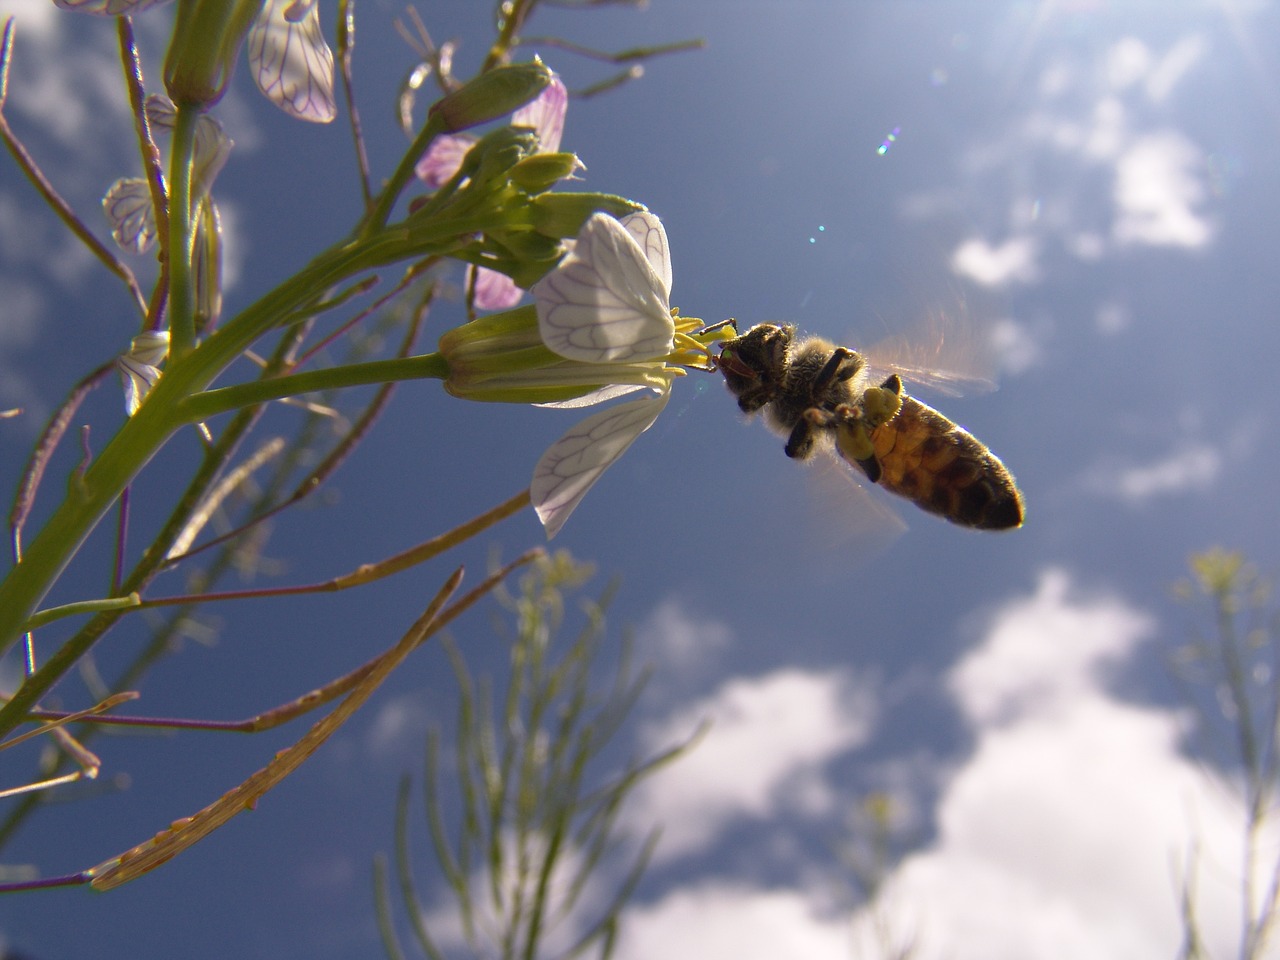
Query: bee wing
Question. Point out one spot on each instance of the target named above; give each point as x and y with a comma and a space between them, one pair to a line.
949, 355
949, 383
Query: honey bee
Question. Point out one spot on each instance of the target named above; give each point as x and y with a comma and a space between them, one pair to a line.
816, 393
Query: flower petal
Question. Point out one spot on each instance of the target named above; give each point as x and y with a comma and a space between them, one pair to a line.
609, 392
575, 462
139, 378
212, 149
545, 113
109, 8
604, 303
291, 63
495, 291
443, 158
129, 211
652, 237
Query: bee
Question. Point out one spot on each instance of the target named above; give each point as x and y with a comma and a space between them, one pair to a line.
816, 393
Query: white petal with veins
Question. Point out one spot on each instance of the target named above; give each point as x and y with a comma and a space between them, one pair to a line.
605, 302
610, 392
575, 462
652, 237
291, 63
129, 211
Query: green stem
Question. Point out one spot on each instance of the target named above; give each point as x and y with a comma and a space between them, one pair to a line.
83, 606
182, 296
386, 200
202, 406
92, 493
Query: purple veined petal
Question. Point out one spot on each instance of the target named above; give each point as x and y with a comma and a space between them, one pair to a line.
443, 158
495, 291
575, 462
291, 63
604, 303
139, 378
149, 348
610, 392
129, 211
109, 8
649, 232
545, 113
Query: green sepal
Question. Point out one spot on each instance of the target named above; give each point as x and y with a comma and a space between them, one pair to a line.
494, 94
562, 215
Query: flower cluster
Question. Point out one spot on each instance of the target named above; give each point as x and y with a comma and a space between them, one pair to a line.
544, 115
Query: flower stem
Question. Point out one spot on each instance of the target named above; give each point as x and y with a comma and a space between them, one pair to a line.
92, 493
201, 406
182, 298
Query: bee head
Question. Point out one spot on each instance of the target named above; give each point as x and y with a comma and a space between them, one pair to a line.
755, 363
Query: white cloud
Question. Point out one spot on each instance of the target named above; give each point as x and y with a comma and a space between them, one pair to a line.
1064, 833
768, 741
679, 643
71, 88
1111, 318
1042, 649
482, 932
398, 724
1016, 346
1192, 467
1130, 63
1014, 261
1127, 62
1170, 70
726, 921
23, 306
1160, 186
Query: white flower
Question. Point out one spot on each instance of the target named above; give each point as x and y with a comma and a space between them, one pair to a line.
607, 302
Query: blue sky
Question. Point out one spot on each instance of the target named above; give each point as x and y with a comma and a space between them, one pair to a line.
1081, 196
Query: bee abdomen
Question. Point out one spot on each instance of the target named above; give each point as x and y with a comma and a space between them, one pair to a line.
944, 469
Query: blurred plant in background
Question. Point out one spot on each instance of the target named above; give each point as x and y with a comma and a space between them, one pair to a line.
498, 208
1230, 674
521, 846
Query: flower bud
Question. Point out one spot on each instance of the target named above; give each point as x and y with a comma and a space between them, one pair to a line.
562, 215
491, 95
542, 171
496, 153
207, 36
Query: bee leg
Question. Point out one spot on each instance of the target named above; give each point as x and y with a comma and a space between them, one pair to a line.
853, 441
871, 467
843, 364
800, 443
712, 327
